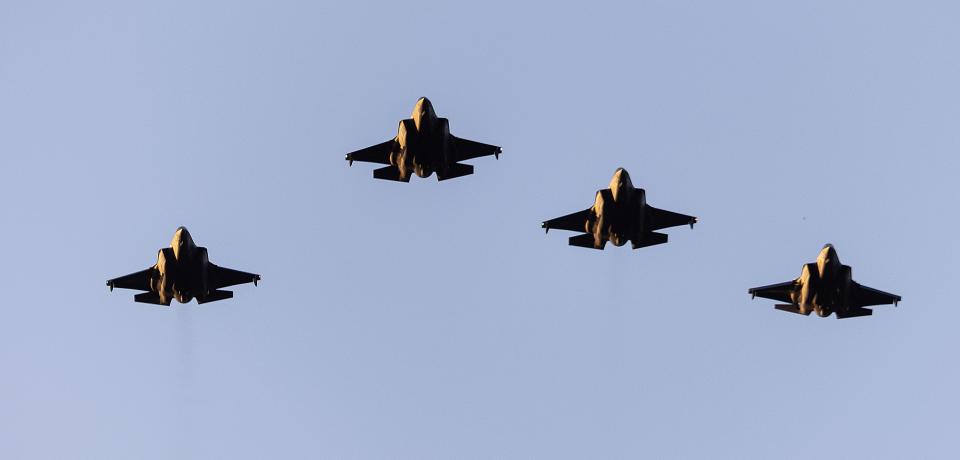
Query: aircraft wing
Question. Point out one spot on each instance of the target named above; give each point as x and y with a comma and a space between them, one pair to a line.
575, 222
780, 291
379, 153
219, 277
865, 296
660, 218
139, 280
465, 149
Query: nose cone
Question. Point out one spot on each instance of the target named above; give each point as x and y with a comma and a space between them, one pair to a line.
181, 242
424, 102
422, 111
620, 184
827, 258
828, 252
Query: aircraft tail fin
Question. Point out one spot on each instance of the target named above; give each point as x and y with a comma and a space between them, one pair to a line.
455, 170
150, 297
390, 173
649, 239
585, 241
214, 296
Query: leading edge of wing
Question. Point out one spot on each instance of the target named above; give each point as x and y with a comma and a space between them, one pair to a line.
467, 149
220, 277
575, 222
379, 153
866, 296
779, 291
138, 280
661, 218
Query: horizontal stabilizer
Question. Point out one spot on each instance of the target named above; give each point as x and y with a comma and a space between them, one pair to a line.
389, 173
150, 297
791, 308
455, 170
649, 239
854, 312
585, 241
214, 296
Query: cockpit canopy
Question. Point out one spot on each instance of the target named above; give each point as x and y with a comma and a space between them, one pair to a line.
620, 185
182, 243
422, 111
828, 260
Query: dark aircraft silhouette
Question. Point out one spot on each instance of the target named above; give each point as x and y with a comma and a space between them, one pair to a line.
619, 213
182, 272
825, 287
423, 145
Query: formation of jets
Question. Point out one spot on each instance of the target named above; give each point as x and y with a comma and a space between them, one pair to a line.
620, 213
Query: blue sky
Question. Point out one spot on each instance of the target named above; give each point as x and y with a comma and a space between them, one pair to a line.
435, 320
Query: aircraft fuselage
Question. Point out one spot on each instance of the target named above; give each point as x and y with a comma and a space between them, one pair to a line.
617, 212
181, 269
423, 142
824, 285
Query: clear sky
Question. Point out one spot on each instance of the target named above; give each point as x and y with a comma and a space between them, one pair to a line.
436, 320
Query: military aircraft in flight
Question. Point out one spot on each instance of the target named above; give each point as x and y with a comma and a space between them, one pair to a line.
825, 286
182, 272
619, 214
423, 145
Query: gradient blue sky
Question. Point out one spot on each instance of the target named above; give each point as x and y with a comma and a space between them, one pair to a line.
435, 320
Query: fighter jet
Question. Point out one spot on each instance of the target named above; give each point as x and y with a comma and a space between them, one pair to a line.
423, 145
825, 287
182, 272
619, 213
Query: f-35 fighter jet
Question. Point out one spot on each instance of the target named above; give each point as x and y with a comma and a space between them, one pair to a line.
182, 272
825, 287
619, 214
423, 145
